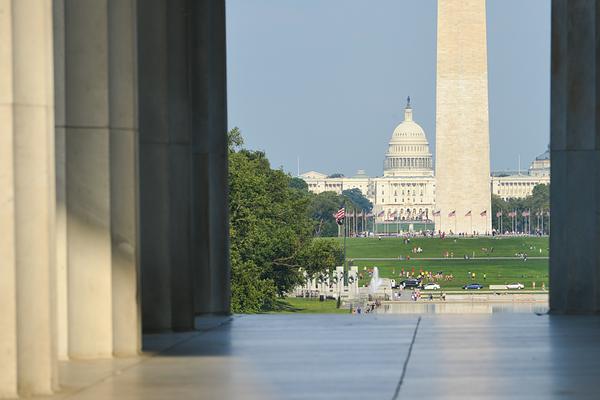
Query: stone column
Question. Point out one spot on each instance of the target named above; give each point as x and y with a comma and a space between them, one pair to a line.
27, 354
575, 155
210, 232
154, 166
8, 290
88, 179
165, 165
124, 175
62, 327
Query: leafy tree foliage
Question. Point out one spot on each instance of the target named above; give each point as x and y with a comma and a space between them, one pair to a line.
322, 209
357, 199
537, 202
271, 231
299, 184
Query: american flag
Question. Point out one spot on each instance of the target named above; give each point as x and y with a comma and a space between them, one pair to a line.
498, 214
340, 215
381, 213
393, 215
468, 214
483, 213
452, 213
437, 213
525, 213
512, 214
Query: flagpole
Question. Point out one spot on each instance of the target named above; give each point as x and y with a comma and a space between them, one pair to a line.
345, 261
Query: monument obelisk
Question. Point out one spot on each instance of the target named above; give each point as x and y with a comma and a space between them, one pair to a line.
462, 125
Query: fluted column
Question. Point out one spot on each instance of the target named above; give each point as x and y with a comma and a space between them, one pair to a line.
88, 179
575, 154
27, 353
62, 327
124, 176
209, 157
8, 289
165, 165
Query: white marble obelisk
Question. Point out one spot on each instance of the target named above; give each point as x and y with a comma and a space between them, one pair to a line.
462, 124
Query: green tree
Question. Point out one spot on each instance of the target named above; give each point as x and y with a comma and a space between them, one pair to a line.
298, 183
271, 231
357, 200
323, 207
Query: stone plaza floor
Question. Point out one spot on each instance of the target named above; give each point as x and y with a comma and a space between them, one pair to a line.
372, 356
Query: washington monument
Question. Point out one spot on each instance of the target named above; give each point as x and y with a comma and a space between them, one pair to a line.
462, 124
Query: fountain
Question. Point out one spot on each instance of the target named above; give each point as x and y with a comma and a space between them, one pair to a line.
375, 281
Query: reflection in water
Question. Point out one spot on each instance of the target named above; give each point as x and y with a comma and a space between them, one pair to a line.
463, 308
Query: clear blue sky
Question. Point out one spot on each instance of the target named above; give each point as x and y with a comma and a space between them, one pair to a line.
326, 80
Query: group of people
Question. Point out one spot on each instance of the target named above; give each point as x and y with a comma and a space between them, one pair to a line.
369, 307
416, 295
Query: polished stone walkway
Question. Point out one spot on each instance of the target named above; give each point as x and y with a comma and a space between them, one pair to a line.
497, 356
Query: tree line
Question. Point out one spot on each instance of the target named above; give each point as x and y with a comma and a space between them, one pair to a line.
529, 214
272, 231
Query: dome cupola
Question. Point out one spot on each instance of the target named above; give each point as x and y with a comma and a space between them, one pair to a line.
408, 152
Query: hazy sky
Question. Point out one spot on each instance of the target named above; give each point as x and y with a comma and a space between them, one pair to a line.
327, 80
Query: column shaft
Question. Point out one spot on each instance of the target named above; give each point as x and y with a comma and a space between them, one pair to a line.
34, 202
124, 175
88, 179
62, 327
8, 290
575, 154
210, 173
154, 166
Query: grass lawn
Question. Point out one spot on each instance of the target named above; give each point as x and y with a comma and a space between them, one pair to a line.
435, 247
497, 271
309, 306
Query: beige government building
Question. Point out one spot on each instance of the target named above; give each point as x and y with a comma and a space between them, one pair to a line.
406, 191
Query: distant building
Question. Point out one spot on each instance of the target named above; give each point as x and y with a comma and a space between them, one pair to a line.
516, 185
406, 191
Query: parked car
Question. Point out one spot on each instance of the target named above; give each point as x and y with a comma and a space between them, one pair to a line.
473, 286
431, 286
411, 283
515, 286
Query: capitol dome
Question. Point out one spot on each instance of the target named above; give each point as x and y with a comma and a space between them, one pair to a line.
408, 152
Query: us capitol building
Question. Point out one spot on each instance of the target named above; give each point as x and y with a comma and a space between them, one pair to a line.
406, 191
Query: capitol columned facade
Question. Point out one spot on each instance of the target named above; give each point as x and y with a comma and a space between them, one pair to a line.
406, 191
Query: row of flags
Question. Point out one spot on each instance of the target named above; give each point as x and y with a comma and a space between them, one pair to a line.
525, 213
453, 213
341, 214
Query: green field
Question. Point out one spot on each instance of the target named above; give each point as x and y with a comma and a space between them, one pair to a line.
435, 247
497, 271
309, 306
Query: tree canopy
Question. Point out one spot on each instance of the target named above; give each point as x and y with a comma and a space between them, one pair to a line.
537, 203
271, 231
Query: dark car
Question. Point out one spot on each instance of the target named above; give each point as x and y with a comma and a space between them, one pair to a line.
473, 286
411, 283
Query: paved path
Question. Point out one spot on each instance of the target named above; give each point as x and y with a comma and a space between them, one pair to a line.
294, 357
444, 259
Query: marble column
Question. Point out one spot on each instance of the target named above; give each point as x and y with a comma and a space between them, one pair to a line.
183, 162
167, 291
575, 154
8, 290
27, 355
62, 328
123, 138
88, 179
154, 166
210, 232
